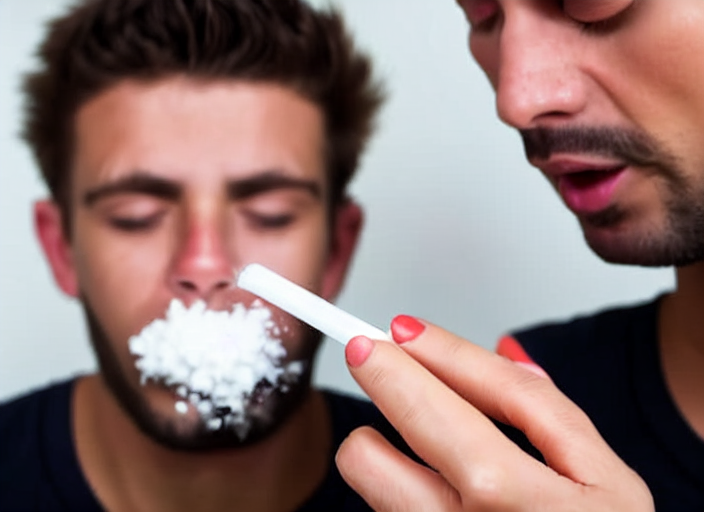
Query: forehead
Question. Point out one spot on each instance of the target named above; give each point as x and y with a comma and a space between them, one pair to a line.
197, 131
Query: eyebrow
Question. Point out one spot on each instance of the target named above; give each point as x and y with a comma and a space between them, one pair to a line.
268, 181
141, 182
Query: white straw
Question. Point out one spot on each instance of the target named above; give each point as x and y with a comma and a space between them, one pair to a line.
304, 305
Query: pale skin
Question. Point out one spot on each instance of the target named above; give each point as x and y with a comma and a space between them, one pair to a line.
133, 249
639, 67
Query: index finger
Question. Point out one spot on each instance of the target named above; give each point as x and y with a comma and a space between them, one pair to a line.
559, 429
446, 431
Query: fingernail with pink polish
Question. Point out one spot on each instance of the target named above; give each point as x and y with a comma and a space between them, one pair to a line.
405, 328
357, 350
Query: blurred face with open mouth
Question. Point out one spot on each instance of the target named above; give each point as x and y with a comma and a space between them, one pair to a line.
176, 185
607, 98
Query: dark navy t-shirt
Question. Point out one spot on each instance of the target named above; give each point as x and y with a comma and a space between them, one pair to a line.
609, 365
39, 470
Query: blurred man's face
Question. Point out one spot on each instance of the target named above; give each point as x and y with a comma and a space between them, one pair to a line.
607, 96
177, 185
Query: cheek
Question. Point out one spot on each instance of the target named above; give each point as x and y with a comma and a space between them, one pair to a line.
123, 279
294, 335
300, 253
664, 70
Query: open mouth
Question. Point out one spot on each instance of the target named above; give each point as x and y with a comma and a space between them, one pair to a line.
589, 191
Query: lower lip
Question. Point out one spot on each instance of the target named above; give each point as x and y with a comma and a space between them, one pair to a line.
590, 191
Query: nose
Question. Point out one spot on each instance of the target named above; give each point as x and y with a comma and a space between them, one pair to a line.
539, 75
201, 268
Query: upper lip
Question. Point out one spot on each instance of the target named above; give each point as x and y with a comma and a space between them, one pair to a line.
559, 166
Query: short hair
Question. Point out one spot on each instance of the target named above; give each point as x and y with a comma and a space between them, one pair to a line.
99, 43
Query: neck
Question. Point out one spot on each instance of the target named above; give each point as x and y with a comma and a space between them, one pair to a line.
682, 344
129, 471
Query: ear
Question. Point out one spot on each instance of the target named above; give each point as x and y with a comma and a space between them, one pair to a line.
345, 234
49, 229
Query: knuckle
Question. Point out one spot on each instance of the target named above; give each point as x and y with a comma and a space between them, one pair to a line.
356, 453
455, 348
632, 493
377, 378
410, 416
484, 489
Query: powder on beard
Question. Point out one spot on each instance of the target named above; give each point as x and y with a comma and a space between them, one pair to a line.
214, 360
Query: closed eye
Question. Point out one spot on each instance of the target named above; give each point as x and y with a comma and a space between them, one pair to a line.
136, 224
596, 16
482, 15
269, 221
486, 25
605, 26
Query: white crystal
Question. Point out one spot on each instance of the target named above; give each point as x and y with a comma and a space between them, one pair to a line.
214, 359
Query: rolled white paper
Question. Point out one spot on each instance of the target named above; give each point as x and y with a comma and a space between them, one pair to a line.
305, 305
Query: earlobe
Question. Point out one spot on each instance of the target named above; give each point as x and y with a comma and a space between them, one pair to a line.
49, 229
348, 224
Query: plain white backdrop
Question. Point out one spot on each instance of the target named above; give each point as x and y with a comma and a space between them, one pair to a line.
459, 229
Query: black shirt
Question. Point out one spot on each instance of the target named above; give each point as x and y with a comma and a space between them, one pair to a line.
609, 365
39, 469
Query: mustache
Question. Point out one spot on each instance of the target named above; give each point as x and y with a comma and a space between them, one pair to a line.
627, 145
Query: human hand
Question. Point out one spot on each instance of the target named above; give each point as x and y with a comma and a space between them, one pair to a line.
440, 392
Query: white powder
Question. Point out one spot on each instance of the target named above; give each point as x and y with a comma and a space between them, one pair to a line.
181, 407
214, 359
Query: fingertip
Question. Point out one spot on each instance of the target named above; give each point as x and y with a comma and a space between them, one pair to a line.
357, 350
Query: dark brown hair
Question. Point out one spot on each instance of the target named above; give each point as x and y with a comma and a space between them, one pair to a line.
99, 43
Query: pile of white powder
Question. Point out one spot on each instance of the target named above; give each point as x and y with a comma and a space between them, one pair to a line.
214, 359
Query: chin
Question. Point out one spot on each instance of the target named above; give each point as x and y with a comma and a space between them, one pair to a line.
153, 409
619, 236
647, 250
269, 410
152, 406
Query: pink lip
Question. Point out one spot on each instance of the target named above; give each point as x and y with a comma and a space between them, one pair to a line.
585, 185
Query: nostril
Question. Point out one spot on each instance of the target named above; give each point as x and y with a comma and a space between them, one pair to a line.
206, 288
187, 285
222, 285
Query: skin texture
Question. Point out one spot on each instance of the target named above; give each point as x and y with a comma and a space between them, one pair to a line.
609, 77
441, 405
176, 183
607, 98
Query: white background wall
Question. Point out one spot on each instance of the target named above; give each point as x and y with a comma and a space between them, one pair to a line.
460, 230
